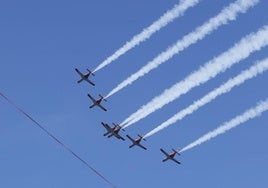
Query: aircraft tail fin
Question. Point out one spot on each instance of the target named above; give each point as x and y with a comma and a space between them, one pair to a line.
91, 72
176, 151
141, 137
103, 98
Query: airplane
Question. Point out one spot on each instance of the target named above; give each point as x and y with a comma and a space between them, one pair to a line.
108, 128
96, 102
85, 76
112, 131
171, 155
115, 132
137, 142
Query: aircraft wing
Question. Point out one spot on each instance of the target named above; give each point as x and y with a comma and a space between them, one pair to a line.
111, 134
175, 161
120, 137
107, 133
79, 72
108, 128
93, 100
116, 135
79, 81
131, 139
142, 147
164, 160
164, 152
102, 107
90, 82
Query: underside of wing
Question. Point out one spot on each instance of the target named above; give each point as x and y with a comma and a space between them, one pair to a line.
93, 100
105, 134
90, 82
92, 105
79, 81
164, 152
164, 160
175, 161
102, 107
118, 136
109, 129
79, 72
131, 139
142, 147
121, 137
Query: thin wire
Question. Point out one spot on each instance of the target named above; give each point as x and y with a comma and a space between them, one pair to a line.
57, 140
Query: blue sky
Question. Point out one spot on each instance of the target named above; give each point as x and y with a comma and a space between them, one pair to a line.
42, 42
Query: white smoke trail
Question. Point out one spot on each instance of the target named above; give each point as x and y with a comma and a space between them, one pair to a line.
249, 114
168, 17
227, 14
249, 44
224, 88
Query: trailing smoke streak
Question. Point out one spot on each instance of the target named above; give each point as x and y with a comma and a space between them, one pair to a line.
252, 72
227, 14
168, 17
241, 50
57, 140
249, 114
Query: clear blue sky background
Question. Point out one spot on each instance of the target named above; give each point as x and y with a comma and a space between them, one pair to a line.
41, 42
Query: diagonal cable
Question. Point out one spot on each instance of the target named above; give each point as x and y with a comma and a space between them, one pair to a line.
57, 140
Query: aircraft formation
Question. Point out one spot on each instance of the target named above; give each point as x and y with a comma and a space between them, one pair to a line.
241, 50
116, 128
